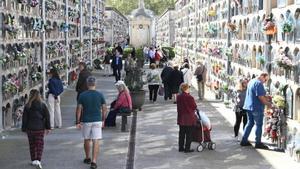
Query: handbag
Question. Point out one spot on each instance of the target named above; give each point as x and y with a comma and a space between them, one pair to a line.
161, 91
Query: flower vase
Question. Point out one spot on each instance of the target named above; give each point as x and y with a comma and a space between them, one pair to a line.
298, 157
286, 37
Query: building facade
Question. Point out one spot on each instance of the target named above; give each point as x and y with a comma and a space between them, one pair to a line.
117, 26
241, 38
38, 36
165, 28
141, 26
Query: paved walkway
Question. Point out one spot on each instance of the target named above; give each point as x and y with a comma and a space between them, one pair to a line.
64, 147
156, 142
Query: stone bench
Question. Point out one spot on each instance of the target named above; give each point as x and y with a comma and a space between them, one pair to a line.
124, 120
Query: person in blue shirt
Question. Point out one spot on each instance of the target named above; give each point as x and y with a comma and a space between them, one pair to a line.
55, 87
90, 116
254, 104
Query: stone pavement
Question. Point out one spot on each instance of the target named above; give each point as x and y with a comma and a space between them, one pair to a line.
156, 142
64, 147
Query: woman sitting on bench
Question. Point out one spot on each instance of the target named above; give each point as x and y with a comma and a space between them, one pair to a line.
122, 105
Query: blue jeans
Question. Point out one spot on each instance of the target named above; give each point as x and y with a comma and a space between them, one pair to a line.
257, 119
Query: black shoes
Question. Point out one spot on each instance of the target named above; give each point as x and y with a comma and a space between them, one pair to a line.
181, 150
246, 144
188, 151
261, 146
87, 161
93, 165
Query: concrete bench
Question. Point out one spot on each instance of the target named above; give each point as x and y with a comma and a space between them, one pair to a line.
124, 120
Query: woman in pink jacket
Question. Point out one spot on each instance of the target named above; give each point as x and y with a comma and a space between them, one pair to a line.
122, 104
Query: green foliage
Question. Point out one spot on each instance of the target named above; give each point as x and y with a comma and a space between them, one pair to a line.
126, 52
133, 79
169, 52
139, 54
126, 6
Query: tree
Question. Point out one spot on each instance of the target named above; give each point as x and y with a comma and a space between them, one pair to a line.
126, 6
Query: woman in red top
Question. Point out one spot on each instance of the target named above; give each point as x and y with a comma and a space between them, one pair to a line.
122, 104
157, 57
186, 118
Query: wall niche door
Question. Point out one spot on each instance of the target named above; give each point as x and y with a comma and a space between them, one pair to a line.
297, 25
289, 98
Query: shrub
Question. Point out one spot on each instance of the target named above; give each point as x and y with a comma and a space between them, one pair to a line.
169, 52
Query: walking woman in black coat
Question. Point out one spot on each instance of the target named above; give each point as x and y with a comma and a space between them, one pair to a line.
174, 81
36, 123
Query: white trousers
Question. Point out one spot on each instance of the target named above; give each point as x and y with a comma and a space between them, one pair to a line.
55, 112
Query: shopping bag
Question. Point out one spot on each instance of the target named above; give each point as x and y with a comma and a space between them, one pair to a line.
205, 120
161, 91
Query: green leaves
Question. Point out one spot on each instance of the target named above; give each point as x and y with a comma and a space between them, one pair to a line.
126, 6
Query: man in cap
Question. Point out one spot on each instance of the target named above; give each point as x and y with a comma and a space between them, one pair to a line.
90, 115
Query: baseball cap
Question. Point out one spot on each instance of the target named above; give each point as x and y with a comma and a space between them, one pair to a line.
91, 80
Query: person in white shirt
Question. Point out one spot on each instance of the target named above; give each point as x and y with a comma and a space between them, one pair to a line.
152, 55
187, 74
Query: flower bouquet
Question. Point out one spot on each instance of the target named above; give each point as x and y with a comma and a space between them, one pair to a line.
212, 12
211, 30
279, 101
284, 61
269, 26
232, 28
288, 27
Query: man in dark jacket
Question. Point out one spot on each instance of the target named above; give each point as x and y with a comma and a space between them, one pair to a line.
117, 64
81, 85
164, 76
174, 81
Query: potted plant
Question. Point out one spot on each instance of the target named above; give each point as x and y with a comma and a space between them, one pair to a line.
134, 80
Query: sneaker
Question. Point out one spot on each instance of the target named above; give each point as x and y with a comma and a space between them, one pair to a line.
39, 165
261, 146
93, 165
246, 144
236, 138
34, 163
87, 161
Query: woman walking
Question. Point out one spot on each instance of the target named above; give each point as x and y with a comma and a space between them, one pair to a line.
56, 87
153, 78
175, 79
187, 74
240, 113
36, 123
186, 118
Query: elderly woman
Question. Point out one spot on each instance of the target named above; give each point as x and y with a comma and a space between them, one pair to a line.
239, 100
122, 104
186, 119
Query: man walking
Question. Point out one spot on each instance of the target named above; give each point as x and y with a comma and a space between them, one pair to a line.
200, 74
91, 109
254, 104
165, 74
117, 64
83, 75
